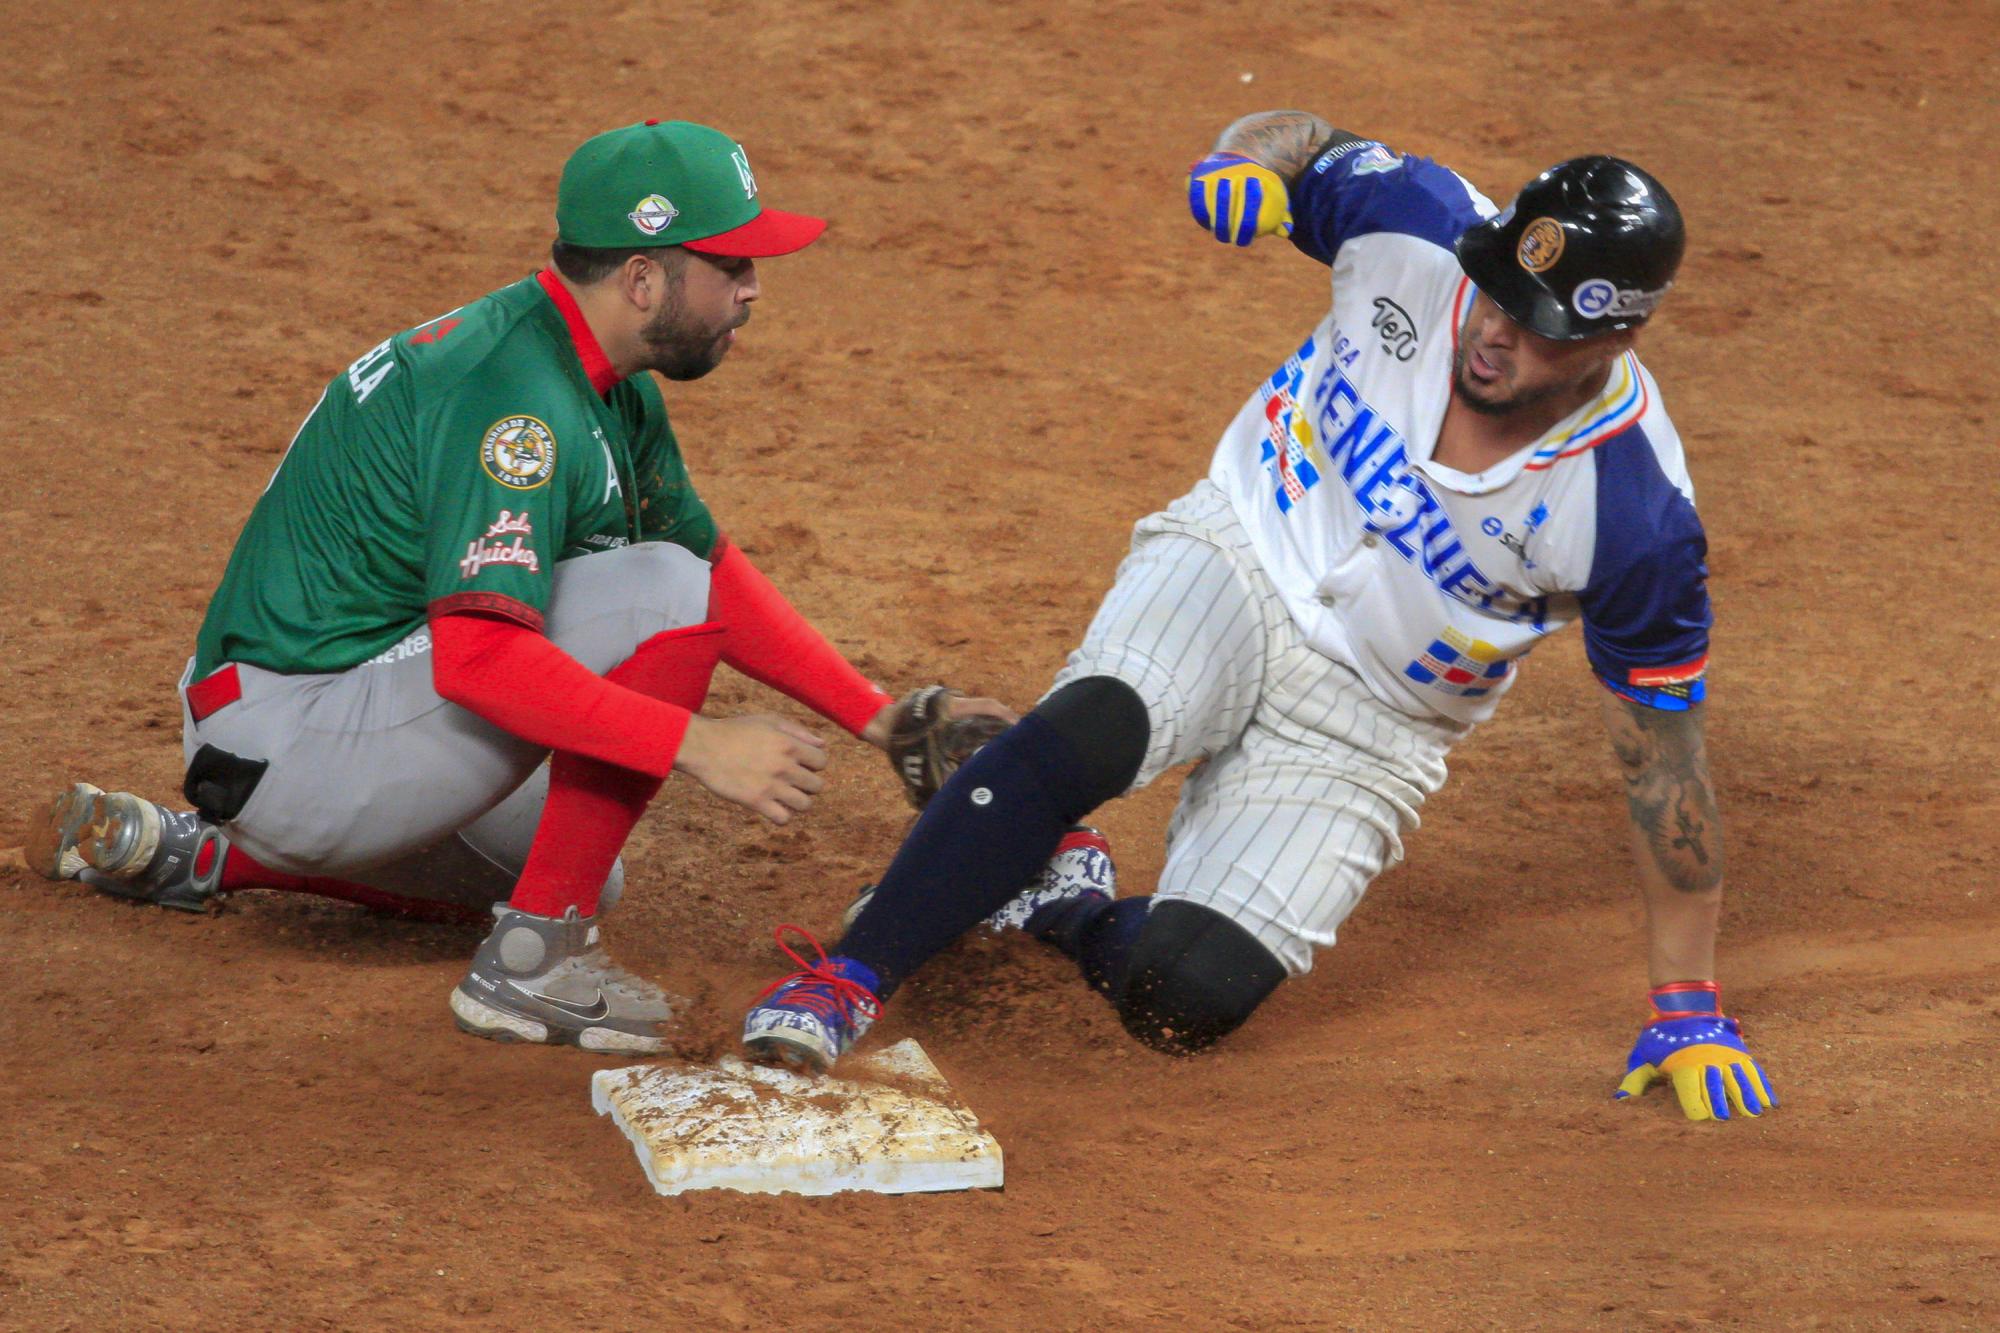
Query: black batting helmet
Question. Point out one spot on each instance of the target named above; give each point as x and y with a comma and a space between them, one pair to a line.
1588, 246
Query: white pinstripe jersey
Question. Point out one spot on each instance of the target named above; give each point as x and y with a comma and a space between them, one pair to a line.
1428, 582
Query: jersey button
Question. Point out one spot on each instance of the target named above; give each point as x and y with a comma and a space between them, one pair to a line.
1369, 541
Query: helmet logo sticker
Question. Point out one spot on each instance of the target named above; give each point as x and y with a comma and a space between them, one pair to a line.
1593, 298
654, 214
1541, 245
1597, 298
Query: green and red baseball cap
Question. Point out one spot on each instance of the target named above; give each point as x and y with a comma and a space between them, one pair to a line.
672, 182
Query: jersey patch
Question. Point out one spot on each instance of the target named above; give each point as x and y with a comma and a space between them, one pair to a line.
1461, 665
1375, 159
1669, 689
519, 453
492, 548
1288, 440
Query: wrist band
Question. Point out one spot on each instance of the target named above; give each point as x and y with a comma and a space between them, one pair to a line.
1686, 999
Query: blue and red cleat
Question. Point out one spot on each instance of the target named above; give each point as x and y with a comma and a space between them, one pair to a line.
814, 1015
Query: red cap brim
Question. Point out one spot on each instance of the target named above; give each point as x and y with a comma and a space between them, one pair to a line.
771, 232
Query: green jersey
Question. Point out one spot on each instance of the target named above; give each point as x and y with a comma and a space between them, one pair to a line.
450, 468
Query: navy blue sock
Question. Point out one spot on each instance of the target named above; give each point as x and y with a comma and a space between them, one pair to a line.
1097, 933
986, 833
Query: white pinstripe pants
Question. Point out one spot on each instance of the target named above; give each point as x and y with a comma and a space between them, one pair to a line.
1310, 780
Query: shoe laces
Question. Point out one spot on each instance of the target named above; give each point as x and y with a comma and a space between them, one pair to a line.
821, 990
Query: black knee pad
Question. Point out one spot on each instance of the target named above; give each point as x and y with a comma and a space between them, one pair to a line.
1194, 976
1105, 722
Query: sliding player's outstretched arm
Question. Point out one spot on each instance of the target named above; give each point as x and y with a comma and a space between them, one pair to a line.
1677, 847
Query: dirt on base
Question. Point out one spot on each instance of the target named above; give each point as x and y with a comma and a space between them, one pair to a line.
1010, 346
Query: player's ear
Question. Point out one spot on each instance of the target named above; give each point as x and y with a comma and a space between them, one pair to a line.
639, 282
648, 279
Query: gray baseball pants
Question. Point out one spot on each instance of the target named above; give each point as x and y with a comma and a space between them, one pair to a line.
376, 779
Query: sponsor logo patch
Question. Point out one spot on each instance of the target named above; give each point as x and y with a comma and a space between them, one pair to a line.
1493, 527
1398, 330
598, 1007
479, 554
653, 214
1541, 245
1593, 297
519, 452
415, 646
1597, 298
510, 523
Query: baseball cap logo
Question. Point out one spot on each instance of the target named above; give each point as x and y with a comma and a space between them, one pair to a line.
742, 162
654, 214
1541, 245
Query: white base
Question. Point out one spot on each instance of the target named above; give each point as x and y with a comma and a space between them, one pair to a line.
764, 1130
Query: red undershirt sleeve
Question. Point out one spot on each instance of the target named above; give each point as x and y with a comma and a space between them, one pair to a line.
770, 642
524, 684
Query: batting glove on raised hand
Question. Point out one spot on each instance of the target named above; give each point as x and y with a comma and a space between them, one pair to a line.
1237, 199
1692, 1045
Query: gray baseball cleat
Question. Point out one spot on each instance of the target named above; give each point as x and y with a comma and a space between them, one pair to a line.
548, 979
127, 846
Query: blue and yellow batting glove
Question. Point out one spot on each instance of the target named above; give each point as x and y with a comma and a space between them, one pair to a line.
1237, 199
1691, 1044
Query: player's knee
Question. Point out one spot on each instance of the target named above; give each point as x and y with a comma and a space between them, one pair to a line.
1194, 977
1105, 722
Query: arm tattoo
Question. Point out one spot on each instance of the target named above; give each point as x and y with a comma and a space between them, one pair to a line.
1285, 141
1668, 791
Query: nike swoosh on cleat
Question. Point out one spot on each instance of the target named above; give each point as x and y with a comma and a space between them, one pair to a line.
588, 1013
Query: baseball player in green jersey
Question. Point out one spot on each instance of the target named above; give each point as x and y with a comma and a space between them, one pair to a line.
481, 551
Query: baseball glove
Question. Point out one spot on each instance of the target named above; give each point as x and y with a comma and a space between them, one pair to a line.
926, 744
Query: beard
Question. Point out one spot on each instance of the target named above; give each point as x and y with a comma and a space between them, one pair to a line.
678, 348
1462, 389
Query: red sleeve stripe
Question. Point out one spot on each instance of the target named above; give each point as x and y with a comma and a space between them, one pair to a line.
487, 603
1668, 675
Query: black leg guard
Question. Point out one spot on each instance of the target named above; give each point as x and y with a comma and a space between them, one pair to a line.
1194, 976
1105, 722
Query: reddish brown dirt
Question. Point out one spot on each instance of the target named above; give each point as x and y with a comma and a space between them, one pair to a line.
1011, 345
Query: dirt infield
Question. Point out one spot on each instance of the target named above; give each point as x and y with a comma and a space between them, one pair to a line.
1010, 346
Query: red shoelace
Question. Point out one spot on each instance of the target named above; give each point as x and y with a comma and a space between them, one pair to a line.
841, 998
